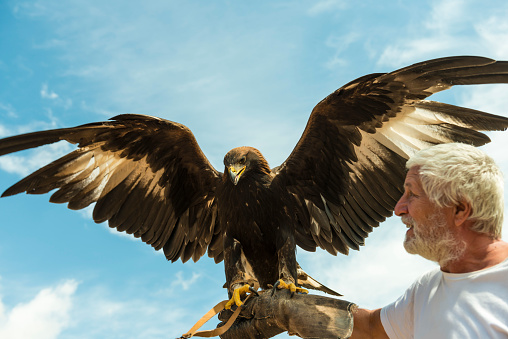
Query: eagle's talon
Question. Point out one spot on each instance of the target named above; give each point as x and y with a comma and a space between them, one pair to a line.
253, 290
302, 290
280, 284
274, 287
238, 293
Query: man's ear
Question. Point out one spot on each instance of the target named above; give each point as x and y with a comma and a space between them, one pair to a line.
463, 211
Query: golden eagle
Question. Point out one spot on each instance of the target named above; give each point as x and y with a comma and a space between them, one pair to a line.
149, 177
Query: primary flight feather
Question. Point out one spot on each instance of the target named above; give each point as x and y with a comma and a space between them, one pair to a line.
149, 177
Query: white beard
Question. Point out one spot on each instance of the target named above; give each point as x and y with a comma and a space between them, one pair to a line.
433, 240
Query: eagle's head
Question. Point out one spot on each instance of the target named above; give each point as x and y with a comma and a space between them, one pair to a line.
244, 161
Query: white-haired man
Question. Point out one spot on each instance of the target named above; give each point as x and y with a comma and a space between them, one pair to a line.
453, 206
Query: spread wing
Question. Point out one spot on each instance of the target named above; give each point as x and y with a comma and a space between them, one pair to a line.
147, 176
346, 173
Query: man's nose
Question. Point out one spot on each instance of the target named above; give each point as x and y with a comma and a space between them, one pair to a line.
401, 206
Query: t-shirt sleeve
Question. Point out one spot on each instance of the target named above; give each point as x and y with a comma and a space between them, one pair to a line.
397, 318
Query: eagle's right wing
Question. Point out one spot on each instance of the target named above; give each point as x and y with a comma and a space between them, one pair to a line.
147, 176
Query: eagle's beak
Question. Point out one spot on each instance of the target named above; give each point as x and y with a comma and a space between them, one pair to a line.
235, 172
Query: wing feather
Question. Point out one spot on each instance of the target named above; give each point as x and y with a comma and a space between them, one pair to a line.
125, 218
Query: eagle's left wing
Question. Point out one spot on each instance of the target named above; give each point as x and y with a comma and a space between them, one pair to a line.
347, 170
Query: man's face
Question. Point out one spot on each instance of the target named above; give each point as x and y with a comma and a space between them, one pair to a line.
414, 207
430, 226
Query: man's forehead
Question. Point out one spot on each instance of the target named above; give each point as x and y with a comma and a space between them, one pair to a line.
412, 177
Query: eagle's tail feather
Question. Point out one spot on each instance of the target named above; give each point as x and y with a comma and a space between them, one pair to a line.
307, 281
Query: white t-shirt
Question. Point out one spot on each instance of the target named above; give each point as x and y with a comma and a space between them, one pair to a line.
452, 306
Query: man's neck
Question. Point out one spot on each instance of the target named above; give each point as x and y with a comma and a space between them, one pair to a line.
482, 251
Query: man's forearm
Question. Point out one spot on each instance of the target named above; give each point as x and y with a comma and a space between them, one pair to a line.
367, 324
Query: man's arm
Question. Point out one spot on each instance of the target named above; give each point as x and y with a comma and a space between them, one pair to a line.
367, 324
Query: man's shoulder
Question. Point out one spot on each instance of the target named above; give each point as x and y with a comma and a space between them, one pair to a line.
429, 277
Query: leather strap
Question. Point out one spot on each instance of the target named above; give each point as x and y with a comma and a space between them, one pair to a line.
210, 314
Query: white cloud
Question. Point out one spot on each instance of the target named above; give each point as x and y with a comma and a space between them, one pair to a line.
198, 84
102, 313
43, 317
87, 212
134, 310
493, 34
3, 131
33, 125
327, 6
445, 16
340, 44
47, 94
9, 110
409, 51
52, 43
427, 37
184, 283
488, 98
14, 164
452, 27
24, 165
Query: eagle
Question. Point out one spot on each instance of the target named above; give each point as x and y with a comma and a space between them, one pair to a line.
148, 176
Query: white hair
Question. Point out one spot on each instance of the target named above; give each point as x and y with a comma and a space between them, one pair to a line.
454, 172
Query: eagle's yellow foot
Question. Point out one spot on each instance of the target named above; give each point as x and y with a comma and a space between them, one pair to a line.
238, 293
280, 284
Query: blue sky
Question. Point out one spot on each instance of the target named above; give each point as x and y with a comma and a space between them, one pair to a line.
236, 73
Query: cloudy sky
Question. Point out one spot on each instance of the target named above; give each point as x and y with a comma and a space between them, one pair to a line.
236, 73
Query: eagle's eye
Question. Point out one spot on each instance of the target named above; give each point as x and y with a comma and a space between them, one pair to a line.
242, 161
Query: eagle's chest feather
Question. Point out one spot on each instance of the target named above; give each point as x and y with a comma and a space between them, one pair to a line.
253, 214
